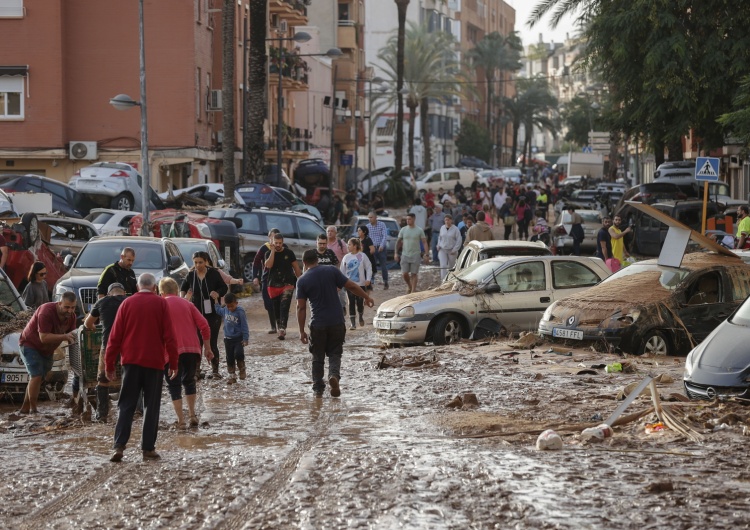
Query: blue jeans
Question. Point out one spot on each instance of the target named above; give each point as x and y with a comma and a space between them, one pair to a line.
235, 351
382, 257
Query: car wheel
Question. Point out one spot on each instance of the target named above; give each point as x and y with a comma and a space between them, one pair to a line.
247, 268
448, 329
31, 224
655, 343
122, 202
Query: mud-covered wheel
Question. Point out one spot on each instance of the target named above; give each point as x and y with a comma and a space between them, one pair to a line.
448, 329
655, 343
31, 224
247, 268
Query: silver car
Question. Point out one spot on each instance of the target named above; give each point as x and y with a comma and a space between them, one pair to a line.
67, 235
113, 184
513, 291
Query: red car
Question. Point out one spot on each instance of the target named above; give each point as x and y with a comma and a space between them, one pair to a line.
26, 244
178, 223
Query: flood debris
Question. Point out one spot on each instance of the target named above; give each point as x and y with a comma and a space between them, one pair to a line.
527, 341
465, 401
549, 440
428, 360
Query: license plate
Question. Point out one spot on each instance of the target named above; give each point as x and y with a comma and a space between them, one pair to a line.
14, 378
384, 324
563, 333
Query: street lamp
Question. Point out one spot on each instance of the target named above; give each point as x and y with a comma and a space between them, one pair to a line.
125, 102
378, 81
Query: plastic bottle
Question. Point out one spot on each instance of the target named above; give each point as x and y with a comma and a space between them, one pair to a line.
549, 440
598, 433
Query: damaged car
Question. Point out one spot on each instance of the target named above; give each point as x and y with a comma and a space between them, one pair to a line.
512, 291
14, 377
648, 308
719, 367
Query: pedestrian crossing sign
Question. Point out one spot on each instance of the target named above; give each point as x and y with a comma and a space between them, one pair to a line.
707, 169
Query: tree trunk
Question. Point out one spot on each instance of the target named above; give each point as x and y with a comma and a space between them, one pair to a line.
424, 107
514, 149
674, 148
658, 152
256, 101
614, 139
412, 121
227, 95
489, 114
399, 147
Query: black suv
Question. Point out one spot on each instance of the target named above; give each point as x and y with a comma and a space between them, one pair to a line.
649, 234
65, 199
648, 193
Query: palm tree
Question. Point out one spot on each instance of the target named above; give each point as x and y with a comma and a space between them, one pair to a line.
430, 71
401, 6
256, 86
227, 95
531, 107
494, 53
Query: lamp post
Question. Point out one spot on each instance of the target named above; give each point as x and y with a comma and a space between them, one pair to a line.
377, 80
125, 102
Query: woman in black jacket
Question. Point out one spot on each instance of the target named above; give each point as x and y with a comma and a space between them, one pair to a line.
204, 286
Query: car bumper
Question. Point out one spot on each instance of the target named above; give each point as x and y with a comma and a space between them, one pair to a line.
399, 331
95, 187
617, 337
698, 391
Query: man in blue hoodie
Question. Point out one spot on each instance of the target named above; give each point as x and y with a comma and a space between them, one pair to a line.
236, 335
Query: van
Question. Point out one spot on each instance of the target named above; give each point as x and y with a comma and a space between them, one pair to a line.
649, 233
445, 178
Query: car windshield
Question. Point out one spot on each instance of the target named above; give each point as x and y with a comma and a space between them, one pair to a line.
8, 298
99, 217
513, 251
670, 277
742, 316
479, 271
187, 248
99, 254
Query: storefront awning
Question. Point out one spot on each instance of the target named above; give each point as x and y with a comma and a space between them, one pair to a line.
14, 70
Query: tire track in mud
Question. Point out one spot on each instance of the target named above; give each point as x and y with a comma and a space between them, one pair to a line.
271, 489
63, 503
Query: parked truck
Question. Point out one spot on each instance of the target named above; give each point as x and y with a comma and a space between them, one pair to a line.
588, 164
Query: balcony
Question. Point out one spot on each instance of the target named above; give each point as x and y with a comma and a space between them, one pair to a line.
294, 71
347, 35
293, 11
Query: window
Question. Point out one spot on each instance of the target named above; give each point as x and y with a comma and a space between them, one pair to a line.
283, 223
344, 11
56, 190
569, 274
453, 176
11, 8
522, 277
250, 223
308, 229
11, 97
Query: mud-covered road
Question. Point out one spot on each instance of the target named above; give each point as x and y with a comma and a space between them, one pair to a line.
388, 453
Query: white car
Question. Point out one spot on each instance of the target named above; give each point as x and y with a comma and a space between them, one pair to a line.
210, 191
514, 292
110, 222
113, 184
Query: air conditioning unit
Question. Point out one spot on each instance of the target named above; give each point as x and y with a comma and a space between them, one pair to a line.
734, 162
283, 26
214, 100
82, 151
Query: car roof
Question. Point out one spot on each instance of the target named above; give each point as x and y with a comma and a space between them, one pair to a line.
509, 259
8, 176
130, 239
499, 243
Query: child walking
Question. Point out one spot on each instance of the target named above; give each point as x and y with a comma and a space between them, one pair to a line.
356, 266
236, 335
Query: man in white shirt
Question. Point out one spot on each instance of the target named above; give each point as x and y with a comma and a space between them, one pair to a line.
498, 202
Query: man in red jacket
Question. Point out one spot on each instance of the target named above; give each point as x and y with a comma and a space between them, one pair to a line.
143, 338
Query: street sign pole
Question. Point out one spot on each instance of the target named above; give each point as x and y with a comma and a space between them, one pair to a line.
706, 170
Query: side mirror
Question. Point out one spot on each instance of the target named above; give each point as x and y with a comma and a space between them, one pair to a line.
68, 261
493, 288
174, 262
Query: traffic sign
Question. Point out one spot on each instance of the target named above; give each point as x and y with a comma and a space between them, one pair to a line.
707, 169
346, 160
586, 149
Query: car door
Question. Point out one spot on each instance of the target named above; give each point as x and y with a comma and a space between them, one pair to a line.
523, 296
708, 300
252, 231
647, 235
309, 231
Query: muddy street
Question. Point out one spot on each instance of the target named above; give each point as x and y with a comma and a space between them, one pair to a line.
388, 453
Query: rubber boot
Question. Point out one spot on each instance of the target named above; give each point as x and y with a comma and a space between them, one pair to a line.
241, 366
215, 368
231, 379
354, 323
102, 403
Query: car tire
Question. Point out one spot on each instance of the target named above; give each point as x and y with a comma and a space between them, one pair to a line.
122, 202
247, 268
31, 224
655, 343
448, 329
